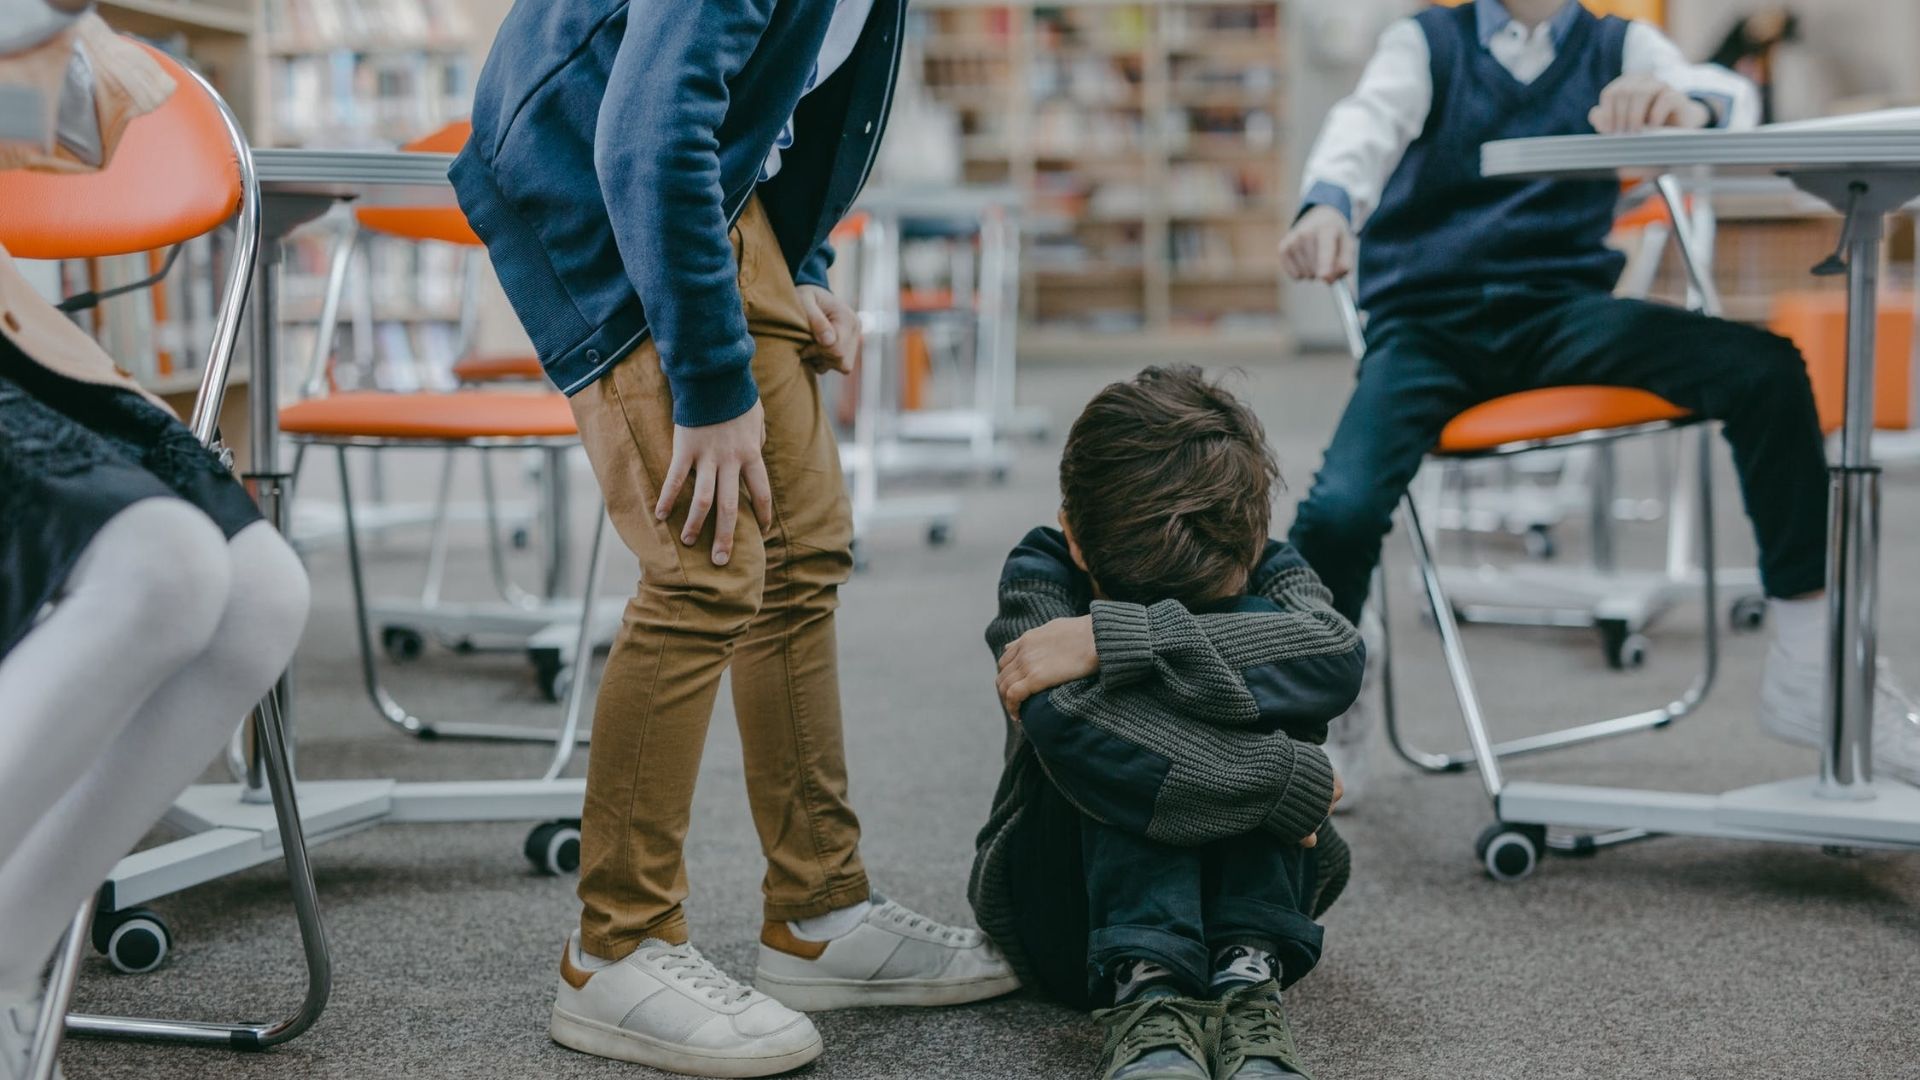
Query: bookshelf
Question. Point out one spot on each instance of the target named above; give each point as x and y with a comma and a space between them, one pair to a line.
1146, 138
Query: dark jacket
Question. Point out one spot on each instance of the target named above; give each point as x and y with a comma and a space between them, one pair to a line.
614, 144
1197, 726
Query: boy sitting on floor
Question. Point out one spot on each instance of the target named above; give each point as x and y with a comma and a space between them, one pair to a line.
1157, 842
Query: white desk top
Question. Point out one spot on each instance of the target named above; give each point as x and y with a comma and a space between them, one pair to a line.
1784, 149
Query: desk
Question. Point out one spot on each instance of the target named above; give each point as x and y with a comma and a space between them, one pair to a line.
1864, 174
230, 826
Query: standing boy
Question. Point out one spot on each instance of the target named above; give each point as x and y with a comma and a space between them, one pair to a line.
1479, 287
655, 182
1156, 843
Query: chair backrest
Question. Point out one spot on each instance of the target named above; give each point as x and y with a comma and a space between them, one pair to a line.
175, 176
180, 171
443, 223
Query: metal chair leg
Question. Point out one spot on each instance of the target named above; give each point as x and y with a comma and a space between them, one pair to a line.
1389, 701
271, 730
1486, 753
45, 1049
570, 734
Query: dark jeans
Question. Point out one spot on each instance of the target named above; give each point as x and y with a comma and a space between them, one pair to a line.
1089, 895
1424, 367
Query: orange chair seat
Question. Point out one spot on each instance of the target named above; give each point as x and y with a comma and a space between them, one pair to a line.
1550, 413
456, 416
476, 369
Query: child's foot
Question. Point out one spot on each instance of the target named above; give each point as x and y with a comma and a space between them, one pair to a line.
889, 956
1794, 685
668, 1007
1255, 1041
1156, 1036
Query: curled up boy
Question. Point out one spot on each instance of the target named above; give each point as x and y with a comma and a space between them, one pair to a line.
1158, 847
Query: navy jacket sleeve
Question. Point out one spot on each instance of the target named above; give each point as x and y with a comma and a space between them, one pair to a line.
656, 154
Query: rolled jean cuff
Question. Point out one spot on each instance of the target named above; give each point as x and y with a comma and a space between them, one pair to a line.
844, 893
1186, 958
1296, 938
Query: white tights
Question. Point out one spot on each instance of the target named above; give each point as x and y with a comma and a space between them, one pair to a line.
164, 636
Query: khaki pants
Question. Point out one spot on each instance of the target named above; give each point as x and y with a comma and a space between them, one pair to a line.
768, 614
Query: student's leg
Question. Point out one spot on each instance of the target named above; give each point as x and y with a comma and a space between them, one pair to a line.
786, 686
1753, 381
1047, 890
165, 746
1144, 905
1412, 381
1258, 894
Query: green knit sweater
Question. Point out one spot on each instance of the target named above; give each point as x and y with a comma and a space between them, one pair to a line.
1197, 726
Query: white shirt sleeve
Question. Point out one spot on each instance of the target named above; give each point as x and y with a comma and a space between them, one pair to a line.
1734, 101
1367, 132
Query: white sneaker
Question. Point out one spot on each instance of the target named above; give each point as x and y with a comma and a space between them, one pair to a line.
16, 1038
1793, 707
1350, 733
668, 1007
891, 957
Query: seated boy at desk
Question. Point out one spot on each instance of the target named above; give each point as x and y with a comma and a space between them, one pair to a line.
1477, 287
1157, 841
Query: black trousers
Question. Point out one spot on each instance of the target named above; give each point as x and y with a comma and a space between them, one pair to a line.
1089, 895
1424, 367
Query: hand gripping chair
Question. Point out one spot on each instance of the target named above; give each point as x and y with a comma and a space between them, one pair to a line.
181, 171
1552, 417
467, 419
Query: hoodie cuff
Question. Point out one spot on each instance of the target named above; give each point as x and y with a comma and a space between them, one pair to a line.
1125, 645
1308, 798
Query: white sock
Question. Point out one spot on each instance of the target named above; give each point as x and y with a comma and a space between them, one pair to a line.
1243, 965
836, 923
585, 960
1800, 627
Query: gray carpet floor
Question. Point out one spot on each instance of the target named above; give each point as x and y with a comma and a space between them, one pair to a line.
1670, 958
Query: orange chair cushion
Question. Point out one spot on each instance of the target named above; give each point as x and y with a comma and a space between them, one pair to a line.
476, 369
1550, 413
175, 176
460, 415
444, 223
1816, 322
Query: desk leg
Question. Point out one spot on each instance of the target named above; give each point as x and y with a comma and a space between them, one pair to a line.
265, 479
1853, 538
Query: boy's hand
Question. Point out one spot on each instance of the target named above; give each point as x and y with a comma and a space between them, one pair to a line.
1640, 101
717, 458
1044, 657
1339, 790
836, 331
1319, 247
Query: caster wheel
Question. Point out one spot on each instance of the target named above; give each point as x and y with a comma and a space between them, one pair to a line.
1624, 649
554, 848
1000, 474
1749, 613
403, 644
938, 534
464, 646
546, 670
134, 941
521, 539
1539, 542
1510, 852
554, 687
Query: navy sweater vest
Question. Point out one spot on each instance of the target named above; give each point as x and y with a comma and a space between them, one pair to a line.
1442, 230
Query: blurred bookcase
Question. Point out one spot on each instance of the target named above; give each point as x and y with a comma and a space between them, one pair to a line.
1146, 138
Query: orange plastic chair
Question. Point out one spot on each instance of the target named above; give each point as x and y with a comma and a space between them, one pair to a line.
465, 419
1816, 322
180, 172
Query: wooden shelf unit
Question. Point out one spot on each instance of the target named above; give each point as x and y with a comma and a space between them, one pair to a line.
1146, 137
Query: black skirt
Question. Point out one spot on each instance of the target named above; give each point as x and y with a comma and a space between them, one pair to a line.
72, 455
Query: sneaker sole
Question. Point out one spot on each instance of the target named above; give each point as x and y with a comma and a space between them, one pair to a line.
818, 995
608, 1041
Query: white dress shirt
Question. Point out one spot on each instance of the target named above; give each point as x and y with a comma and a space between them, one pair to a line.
843, 33
1366, 132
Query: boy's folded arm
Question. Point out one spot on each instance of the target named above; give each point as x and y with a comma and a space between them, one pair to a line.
1129, 761
1038, 584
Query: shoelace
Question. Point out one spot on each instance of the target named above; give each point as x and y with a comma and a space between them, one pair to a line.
1155, 1023
956, 936
1255, 1027
687, 965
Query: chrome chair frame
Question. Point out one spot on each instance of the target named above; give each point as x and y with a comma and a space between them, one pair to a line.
1445, 617
267, 725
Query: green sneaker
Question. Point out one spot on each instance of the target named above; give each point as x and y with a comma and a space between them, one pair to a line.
1255, 1041
1157, 1037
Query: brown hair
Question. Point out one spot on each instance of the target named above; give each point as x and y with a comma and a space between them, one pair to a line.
1166, 485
